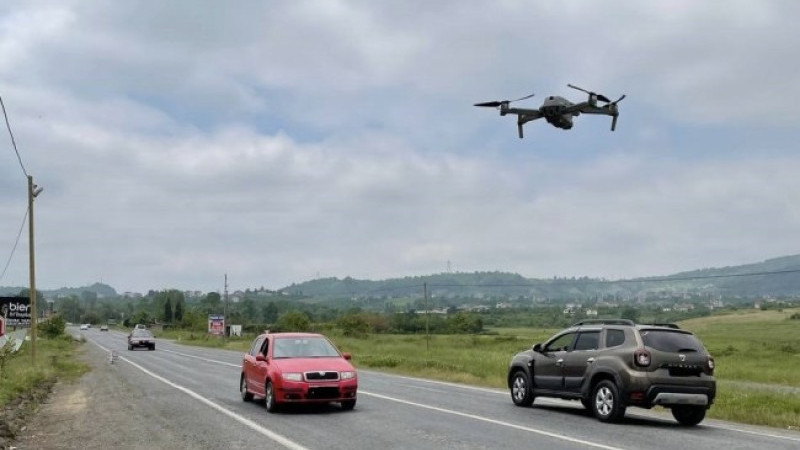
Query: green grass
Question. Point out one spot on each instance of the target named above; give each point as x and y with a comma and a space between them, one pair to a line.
54, 360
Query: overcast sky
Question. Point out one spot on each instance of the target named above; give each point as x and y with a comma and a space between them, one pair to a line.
278, 142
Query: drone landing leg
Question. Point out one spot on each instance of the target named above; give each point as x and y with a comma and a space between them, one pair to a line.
519, 128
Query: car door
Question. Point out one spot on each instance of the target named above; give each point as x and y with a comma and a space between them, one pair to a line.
548, 367
249, 364
579, 360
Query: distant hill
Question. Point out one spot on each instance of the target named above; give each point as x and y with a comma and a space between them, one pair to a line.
102, 291
773, 277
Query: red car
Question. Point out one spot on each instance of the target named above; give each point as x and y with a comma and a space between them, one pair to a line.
297, 368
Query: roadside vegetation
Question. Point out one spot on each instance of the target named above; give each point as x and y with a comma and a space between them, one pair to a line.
24, 383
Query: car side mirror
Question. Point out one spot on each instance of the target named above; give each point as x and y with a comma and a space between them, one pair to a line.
537, 348
260, 357
347, 356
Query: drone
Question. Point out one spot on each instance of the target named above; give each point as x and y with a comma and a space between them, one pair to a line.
559, 111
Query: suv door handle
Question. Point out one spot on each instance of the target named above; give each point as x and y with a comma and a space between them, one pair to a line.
560, 361
590, 360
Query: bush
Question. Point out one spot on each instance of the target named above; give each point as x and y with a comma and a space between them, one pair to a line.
53, 328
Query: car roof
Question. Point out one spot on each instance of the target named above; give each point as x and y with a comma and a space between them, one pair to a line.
292, 335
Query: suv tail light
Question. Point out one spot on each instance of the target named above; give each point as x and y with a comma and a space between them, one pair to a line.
710, 365
641, 357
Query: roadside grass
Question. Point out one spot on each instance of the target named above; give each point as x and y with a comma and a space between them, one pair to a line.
54, 360
762, 405
754, 346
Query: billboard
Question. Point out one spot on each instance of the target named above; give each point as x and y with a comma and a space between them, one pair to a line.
16, 311
216, 324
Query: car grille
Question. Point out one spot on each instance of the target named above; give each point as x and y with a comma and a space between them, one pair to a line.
323, 393
683, 370
322, 376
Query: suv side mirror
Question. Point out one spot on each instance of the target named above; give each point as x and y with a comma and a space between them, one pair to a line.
537, 348
260, 357
347, 356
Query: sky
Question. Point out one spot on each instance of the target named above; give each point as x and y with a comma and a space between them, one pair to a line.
279, 142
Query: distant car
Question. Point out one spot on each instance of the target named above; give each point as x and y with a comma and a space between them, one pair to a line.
141, 338
140, 326
297, 368
85, 326
103, 327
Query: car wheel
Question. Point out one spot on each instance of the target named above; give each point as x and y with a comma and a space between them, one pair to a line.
347, 405
521, 393
130, 347
153, 347
246, 396
269, 398
689, 415
606, 404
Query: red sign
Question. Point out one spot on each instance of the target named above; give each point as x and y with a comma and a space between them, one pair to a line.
2, 326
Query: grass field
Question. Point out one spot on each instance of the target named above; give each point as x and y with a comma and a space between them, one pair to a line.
757, 355
54, 360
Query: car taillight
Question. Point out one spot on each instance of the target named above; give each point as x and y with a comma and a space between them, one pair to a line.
641, 357
711, 364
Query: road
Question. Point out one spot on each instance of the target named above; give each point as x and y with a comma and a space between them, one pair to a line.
192, 392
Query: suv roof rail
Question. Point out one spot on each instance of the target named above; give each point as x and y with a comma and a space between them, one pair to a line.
604, 322
666, 325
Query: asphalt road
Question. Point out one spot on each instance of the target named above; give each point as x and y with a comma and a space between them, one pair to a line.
192, 393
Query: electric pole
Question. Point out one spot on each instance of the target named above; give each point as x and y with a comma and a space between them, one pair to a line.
33, 191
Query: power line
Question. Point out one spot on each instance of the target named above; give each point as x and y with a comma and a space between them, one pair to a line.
14, 249
13, 142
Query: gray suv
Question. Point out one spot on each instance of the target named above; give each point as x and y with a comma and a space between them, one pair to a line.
610, 364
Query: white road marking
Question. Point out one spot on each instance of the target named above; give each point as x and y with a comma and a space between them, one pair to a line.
286, 442
492, 421
202, 359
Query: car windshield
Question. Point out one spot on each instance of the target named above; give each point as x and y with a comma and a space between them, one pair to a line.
305, 347
141, 333
671, 341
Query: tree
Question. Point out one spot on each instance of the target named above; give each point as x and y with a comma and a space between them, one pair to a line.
168, 311
179, 310
294, 321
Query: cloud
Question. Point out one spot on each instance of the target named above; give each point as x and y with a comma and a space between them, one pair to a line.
277, 141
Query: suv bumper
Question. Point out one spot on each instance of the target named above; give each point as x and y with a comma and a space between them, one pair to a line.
647, 391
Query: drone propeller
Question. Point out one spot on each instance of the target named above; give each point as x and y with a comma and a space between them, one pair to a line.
613, 106
600, 97
497, 103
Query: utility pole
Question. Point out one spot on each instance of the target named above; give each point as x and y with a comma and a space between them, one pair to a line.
427, 316
225, 308
33, 191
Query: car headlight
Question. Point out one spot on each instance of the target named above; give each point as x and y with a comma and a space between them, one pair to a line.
293, 376
347, 375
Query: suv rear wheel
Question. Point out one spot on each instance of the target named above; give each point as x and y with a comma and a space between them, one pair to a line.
689, 415
521, 393
606, 404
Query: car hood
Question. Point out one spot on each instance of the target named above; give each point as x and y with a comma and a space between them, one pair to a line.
337, 364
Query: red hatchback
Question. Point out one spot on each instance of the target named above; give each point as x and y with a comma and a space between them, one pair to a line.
297, 368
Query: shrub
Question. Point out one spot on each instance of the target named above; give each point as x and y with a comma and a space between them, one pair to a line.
53, 328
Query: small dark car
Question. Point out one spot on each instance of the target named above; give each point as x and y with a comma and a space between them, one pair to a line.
141, 338
611, 364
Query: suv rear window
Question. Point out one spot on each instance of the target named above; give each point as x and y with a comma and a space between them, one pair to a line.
671, 341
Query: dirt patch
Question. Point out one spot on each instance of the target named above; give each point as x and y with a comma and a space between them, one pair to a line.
15, 416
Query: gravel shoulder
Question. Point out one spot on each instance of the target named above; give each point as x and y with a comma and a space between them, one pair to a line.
98, 411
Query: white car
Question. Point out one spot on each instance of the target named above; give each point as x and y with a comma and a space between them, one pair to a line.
85, 326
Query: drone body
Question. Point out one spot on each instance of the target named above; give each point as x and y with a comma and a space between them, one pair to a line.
559, 111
